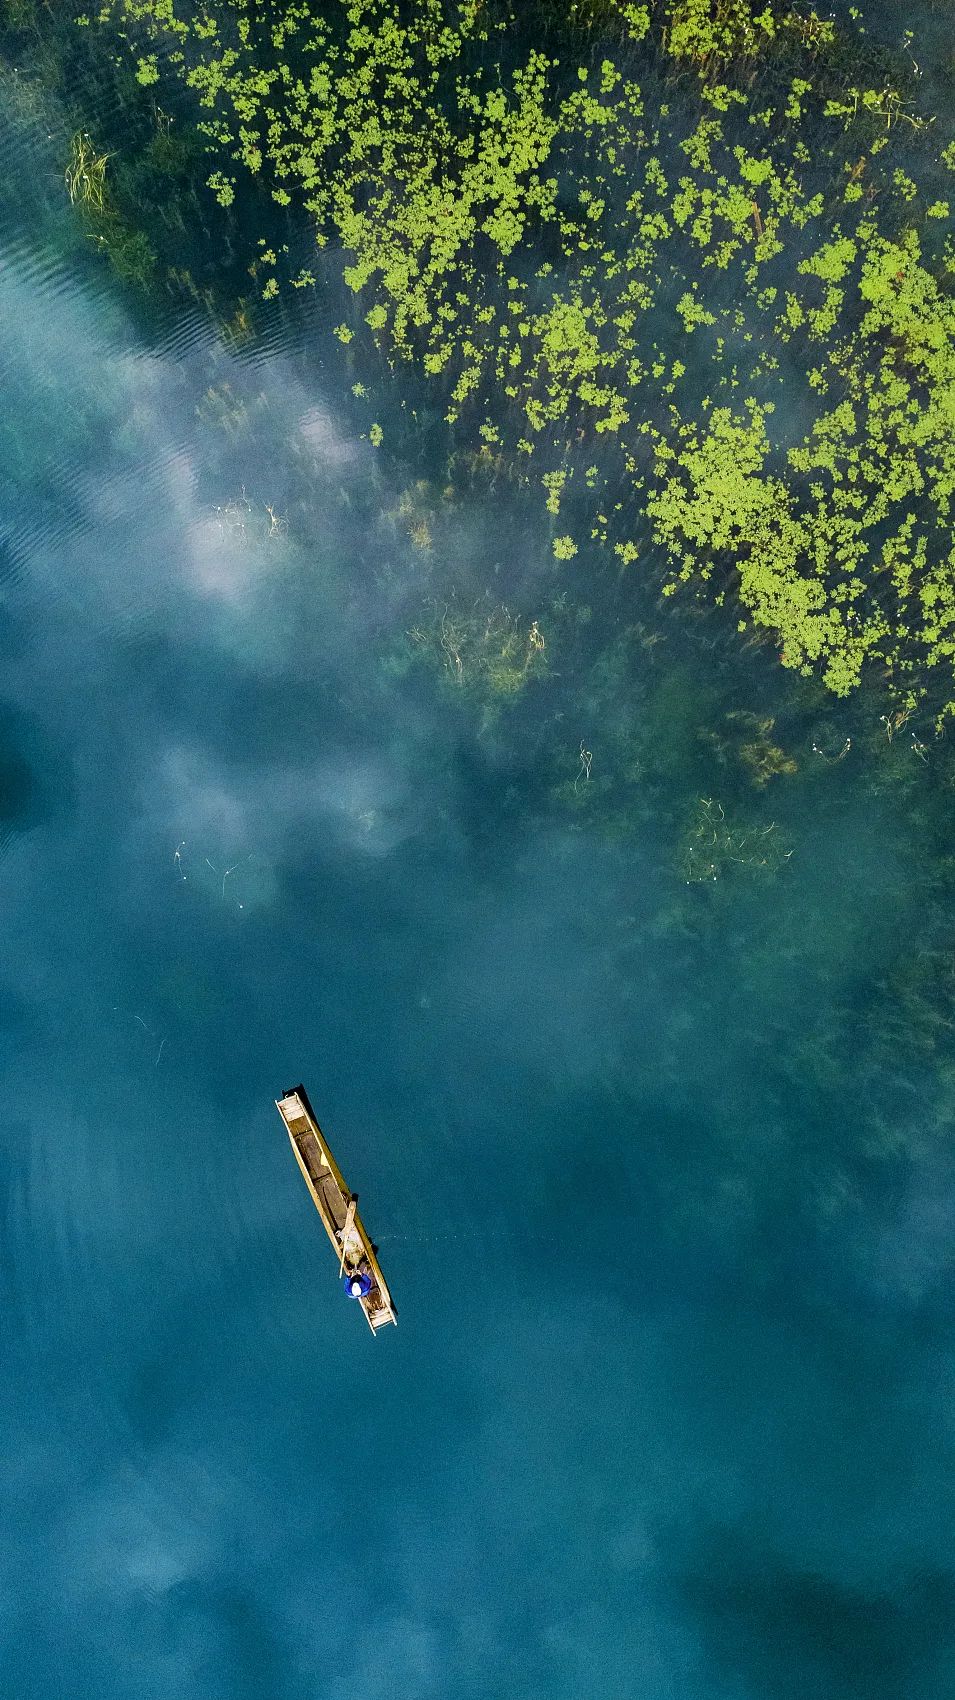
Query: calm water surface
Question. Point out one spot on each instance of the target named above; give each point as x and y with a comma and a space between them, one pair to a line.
668, 1414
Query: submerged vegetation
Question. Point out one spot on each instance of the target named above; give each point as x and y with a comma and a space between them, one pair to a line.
133, 168
85, 173
714, 846
649, 306
484, 648
687, 267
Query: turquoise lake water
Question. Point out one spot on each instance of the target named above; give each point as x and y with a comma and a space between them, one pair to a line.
660, 1166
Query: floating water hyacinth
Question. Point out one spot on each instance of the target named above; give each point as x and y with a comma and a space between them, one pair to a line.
540, 238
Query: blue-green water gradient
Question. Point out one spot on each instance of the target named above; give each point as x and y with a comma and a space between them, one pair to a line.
668, 1413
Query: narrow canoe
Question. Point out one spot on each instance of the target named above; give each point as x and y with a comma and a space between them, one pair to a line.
336, 1205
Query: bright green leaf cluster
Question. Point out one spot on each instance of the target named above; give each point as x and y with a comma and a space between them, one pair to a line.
545, 239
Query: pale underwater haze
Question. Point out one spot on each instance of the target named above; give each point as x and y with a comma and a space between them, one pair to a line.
668, 1414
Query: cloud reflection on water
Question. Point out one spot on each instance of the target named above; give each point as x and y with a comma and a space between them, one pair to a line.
543, 1484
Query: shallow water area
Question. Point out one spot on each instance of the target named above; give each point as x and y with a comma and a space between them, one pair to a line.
668, 1409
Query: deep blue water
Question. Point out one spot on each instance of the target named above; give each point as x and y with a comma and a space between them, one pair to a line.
668, 1413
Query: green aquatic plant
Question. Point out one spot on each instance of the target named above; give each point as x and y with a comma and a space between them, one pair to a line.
483, 649
715, 845
564, 548
418, 510
663, 249
743, 739
134, 168
714, 33
763, 759
223, 410
127, 247
85, 174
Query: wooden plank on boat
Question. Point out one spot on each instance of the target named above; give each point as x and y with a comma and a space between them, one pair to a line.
336, 1205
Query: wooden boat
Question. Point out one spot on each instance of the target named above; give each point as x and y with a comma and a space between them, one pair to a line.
337, 1207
